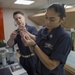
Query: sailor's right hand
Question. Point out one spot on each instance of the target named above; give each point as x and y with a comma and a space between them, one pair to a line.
13, 35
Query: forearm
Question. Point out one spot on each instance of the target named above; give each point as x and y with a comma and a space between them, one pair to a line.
49, 63
32, 36
10, 42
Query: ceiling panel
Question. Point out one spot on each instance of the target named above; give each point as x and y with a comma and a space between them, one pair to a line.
42, 4
39, 4
69, 22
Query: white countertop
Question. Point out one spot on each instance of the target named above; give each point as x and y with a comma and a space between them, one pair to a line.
71, 59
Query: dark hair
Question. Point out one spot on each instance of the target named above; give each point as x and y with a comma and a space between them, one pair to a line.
59, 8
17, 12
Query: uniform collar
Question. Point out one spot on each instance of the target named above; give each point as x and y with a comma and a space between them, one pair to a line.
46, 35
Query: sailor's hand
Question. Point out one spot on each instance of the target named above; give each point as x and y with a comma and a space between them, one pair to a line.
13, 35
27, 40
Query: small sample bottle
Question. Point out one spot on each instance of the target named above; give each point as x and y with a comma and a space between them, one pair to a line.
4, 59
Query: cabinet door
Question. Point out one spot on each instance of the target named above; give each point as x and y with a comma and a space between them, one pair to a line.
1, 25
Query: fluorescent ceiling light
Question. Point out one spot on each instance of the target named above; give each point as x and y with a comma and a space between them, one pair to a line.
39, 14
24, 2
68, 6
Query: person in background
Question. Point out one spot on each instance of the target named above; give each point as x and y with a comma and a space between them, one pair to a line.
53, 43
27, 58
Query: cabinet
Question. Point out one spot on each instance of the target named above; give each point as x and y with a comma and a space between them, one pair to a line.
1, 25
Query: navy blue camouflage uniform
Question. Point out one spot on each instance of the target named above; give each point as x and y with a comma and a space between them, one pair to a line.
57, 44
27, 63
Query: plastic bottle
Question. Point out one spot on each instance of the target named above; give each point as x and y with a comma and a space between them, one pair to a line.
4, 59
